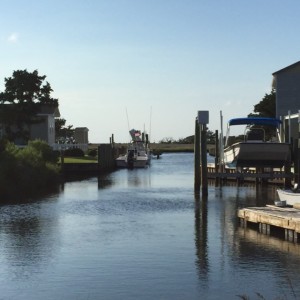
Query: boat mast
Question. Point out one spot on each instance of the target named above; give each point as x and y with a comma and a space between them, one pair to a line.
128, 122
149, 137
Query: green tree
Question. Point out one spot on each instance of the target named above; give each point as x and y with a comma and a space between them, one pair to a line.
266, 107
63, 133
210, 138
21, 101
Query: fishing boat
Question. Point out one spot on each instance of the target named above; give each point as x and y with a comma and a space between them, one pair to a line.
138, 153
289, 196
253, 150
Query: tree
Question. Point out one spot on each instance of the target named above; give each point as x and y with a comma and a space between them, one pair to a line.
21, 101
64, 134
167, 140
210, 138
266, 107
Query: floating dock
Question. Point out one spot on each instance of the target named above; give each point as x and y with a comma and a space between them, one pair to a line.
271, 219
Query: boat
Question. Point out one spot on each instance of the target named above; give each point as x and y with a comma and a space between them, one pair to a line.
138, 153
253, 150
289, 196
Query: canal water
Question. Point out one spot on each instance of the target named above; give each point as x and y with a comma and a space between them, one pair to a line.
143, 234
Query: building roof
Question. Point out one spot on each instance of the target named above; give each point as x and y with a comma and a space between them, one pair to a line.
287, 68
50, 110
81, 128
44, 109
274, 81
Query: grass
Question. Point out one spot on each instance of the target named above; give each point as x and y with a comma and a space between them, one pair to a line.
80, 160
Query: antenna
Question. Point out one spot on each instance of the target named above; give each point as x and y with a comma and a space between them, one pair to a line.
150, 123
127, 120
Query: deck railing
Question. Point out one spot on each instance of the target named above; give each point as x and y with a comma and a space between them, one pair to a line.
60, 147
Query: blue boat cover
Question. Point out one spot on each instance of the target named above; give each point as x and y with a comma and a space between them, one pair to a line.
255, 121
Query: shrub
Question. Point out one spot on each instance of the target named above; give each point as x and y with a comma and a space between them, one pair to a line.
74, 152
45, 150
93, 152
25, 173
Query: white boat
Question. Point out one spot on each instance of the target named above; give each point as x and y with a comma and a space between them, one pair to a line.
253, 150
290, 196
138, 153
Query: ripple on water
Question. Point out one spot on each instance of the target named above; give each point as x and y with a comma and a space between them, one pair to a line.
126, 200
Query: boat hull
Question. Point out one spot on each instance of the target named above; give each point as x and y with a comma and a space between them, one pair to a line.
289, 196
123, 162
247, 154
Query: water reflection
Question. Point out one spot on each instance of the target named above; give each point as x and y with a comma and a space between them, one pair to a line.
28, 238
201, 237
278, 256
133, 177
252, 238
104, 181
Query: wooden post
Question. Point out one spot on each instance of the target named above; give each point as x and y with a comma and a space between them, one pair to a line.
217, 157
197, 157
105, 157
204, 160
297, 161
287, 167
62, 160
295, 156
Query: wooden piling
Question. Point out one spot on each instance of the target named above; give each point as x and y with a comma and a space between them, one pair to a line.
197, 157
203, 147
287, 180
106, 160
297, 156
217, 156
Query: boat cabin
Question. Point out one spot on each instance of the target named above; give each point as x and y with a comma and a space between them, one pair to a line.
256, 130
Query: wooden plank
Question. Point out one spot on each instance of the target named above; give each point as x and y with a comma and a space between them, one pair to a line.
287, 218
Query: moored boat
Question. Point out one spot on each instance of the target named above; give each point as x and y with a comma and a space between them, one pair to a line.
138, 153
254, 150
290, 196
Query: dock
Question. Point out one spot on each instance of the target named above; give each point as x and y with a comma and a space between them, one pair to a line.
266, 175
272, 219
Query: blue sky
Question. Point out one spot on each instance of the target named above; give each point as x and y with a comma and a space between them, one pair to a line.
159, 60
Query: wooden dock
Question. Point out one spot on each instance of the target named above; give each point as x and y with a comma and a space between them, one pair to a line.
271, 219
267, 175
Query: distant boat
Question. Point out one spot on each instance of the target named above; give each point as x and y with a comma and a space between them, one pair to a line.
138, 153
254, 150
290, 196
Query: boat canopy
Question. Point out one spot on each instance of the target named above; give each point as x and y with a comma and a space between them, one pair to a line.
255, 121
